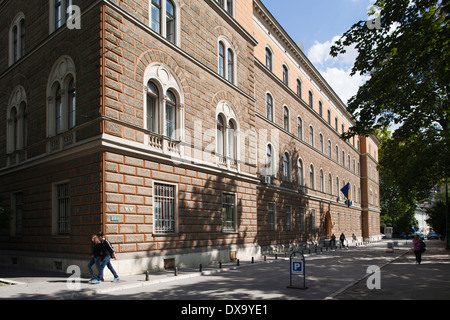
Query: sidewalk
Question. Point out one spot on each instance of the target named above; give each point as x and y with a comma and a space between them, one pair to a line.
331, 274
404, 280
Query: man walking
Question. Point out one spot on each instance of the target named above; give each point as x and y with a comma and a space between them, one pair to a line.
107, 252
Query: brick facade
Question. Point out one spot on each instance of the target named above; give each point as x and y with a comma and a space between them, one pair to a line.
115, 162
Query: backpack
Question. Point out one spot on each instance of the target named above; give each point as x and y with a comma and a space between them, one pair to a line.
422, 246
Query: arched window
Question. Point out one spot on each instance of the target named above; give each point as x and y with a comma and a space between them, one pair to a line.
17, 38
311, 99
230, 75
17, 128
227, 136
321, 142
268, 59
61, 97
71, 103
329, 117
337, 154
329, 148
231, 140
285, 75
311, 136
300, 128
286, 167
59, 13
330, 183
171, 105
221, 59
311, 177
299, 88
286, 118
152, 107
163, 108
163, 19
322, 181
59, 110
301, 178
226, 60
155, 12
170, 21
338, 188
320, 109
227, 5
269, 160
269, 102
220, 136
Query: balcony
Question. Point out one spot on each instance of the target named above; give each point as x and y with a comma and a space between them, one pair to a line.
164, 144
61, 141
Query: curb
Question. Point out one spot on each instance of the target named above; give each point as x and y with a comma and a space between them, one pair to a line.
142, 283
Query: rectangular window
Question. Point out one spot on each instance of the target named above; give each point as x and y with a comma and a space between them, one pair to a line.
63, 208
17, 206
302, 219
288, 218
164, 208
313, 220
271, 217
229, 212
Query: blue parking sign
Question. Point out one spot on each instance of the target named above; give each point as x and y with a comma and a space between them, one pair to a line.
297, 266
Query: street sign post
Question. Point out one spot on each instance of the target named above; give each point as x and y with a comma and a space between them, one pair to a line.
297, 267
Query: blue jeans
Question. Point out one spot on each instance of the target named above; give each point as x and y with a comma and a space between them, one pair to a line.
91, 263
103, 263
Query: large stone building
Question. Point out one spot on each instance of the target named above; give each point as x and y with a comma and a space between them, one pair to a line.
187, 131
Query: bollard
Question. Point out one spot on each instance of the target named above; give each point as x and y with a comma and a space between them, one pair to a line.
237, 262
176, 272
265, 258
147, 276
220, 265
201, 268
253, 260
276, 256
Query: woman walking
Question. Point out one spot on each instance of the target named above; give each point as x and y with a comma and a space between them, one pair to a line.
418, 247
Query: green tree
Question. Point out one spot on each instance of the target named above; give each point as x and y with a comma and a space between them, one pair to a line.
408, 64
437, 214
397, 206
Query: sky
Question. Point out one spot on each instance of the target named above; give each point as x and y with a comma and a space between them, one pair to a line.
318, 24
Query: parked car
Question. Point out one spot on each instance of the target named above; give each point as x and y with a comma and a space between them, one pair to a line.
432, 235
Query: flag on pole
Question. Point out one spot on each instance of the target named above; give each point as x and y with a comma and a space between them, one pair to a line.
346, 190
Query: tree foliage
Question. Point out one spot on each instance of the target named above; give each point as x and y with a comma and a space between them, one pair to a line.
407, 62
437, 217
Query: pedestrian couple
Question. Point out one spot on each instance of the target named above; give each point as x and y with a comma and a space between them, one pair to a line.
102, 252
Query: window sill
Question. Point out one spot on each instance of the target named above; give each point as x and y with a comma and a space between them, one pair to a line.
154, 235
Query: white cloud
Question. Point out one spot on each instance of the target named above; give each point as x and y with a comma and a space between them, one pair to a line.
336, 71
342, 83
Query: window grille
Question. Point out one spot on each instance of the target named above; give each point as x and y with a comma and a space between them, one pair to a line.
228, 212
164, 208
63, 207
